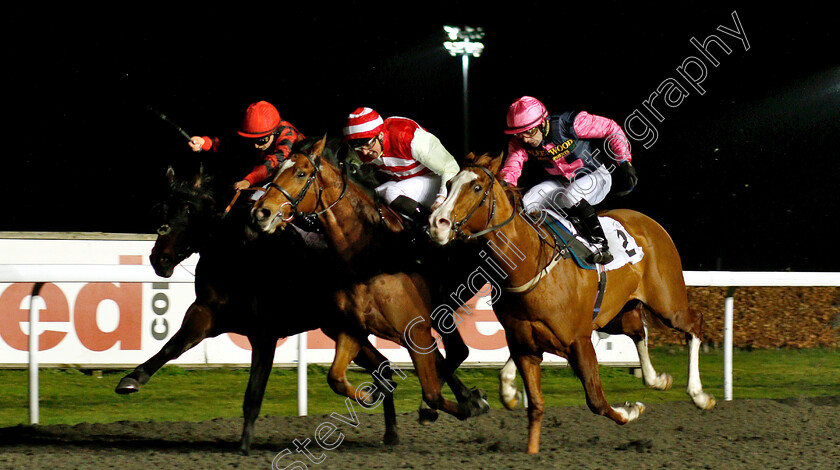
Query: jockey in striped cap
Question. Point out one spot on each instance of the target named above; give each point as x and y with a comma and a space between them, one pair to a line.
415, 162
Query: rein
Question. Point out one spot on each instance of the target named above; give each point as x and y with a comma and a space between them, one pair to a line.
542, 273
236, 196
457, 225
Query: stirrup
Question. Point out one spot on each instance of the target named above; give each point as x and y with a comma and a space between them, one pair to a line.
602, 254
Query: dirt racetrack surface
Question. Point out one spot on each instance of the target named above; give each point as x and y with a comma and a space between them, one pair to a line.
753, 434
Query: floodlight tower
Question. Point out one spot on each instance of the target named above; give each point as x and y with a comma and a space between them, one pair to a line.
465, 42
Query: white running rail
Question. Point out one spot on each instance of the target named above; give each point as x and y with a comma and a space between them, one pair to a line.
42, 273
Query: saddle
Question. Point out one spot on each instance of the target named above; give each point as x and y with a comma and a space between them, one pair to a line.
573, 246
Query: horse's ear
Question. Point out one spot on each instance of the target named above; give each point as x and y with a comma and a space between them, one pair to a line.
199, 179
470, 158
496, 163
170, 174
318, 148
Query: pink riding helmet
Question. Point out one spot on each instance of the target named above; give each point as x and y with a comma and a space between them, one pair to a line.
525, 113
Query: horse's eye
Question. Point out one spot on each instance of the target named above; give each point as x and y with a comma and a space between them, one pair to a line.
300, 174
477, 188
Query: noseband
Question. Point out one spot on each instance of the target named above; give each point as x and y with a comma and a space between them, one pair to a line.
294, 202
457, 225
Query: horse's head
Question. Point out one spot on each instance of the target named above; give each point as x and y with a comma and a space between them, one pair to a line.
183, 219
473, 203
295, 190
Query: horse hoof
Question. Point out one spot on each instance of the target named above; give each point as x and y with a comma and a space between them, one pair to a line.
630, 411
127, 385
483, 407
391, 439
514, 402
704, 401
427, 416
662, 382
478, 394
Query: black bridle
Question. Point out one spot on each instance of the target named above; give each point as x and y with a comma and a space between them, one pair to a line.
295, 201
487, 191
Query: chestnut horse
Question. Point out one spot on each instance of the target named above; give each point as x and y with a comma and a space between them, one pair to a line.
231, 299
555, 313
387, 294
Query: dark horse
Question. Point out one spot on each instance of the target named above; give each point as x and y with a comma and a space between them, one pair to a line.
554, 313
388, 294
232, 299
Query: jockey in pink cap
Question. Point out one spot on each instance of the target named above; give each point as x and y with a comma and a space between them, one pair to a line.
413, 160
579, 150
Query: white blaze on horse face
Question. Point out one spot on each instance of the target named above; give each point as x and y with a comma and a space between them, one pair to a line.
442, 232
288, 163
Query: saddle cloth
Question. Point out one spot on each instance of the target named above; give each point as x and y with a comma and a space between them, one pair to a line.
622, 245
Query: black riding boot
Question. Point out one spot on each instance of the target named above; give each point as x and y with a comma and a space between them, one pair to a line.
590, 228
411, 209
417, 221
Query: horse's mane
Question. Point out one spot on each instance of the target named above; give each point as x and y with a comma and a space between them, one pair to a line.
338, 154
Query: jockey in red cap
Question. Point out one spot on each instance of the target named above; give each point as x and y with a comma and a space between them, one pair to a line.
415, 162
566, 146
271, 135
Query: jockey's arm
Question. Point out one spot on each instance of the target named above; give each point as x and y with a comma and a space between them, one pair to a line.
428, 150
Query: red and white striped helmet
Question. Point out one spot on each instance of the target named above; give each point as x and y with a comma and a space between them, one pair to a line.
363, 123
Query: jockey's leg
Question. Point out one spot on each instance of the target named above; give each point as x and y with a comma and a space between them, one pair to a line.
591, 229
412, 209
581, 194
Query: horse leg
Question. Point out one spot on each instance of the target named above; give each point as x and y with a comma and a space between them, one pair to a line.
347, 348
631, 323
424, 366
462, 393
262, 359
380, 368
456, 353
701, 399
583, 361
508, 394
197, 325
529, 368
674, 311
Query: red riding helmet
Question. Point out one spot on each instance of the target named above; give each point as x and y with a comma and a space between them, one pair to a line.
261, 119
525, 113
362, 124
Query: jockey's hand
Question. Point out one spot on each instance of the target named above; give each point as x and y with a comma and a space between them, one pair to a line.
240, 185
627, 178
195, 143
438, 202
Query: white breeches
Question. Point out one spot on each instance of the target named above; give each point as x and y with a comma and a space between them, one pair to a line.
422, 189
592, 187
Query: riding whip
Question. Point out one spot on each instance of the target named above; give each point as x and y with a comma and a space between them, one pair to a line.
168, 121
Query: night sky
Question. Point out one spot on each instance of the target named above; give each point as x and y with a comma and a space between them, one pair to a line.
743, 175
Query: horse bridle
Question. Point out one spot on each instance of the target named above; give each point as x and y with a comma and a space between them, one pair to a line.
316, 168
528, 287
457, 225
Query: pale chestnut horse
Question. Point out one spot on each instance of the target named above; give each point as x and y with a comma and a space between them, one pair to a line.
549, 307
